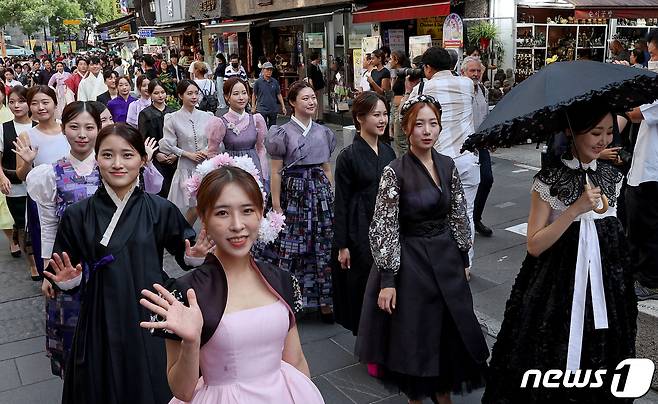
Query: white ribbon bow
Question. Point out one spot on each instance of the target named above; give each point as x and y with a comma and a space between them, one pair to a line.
588, 265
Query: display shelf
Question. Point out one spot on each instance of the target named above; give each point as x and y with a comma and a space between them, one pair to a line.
549, 39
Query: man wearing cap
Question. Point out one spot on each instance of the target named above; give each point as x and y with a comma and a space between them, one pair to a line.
267, 96
456, 95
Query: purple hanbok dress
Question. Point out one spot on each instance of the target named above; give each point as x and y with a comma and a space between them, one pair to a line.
62, 311
241, 135
304, 246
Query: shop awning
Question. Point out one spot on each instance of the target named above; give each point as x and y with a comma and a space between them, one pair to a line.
116, 23
304, 17
170, 31
232, 26
615, 8
399, 10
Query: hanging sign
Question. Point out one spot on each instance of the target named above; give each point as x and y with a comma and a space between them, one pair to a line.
418, 45
72, 22
315, 40
146, 32
396, 39
432, 26
453, 32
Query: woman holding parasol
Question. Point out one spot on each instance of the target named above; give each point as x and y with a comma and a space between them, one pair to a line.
572, 305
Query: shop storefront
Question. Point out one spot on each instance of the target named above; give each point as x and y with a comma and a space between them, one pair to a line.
578, 29
119, 33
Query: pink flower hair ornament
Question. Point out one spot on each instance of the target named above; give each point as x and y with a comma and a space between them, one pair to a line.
272, 223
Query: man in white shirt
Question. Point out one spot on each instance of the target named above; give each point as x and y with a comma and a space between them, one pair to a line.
94, 84
642, 193
198, 57
456, 95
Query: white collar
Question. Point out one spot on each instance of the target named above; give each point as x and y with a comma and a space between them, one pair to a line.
574, 164
305, 129
120, 204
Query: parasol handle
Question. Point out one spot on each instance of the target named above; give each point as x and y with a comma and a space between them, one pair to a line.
604, 198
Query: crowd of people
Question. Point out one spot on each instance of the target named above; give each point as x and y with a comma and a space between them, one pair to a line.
101, 176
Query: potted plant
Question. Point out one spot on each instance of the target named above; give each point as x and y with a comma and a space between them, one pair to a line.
483, 33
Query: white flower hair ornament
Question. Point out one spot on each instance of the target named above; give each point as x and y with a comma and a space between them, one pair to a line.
272, 223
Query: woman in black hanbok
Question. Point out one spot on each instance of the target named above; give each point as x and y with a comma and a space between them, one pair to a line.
112, 245
417, 320
359, 167
573, 306
151, 124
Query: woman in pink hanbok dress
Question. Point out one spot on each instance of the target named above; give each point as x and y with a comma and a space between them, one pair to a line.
58, 82
231, 319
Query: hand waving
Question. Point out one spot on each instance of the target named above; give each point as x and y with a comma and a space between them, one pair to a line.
25, 151
63, 268
151, 145
186, 322
202, 246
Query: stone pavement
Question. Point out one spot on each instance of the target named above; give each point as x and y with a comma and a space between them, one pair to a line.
25, 371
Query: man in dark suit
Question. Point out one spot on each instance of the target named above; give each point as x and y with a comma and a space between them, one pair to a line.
176, 72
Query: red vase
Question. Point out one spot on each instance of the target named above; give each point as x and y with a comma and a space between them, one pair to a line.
484, 43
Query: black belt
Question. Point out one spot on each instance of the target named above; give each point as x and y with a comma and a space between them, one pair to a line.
429, 228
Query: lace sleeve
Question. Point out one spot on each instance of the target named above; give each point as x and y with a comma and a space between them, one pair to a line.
460, 227
298, 302
172, 286
384, 229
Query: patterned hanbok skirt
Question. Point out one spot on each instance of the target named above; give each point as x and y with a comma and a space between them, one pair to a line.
61, 318
304, 246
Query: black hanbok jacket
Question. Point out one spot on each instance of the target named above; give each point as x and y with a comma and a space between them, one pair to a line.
151, 124
113, 360
211, 288
358, 171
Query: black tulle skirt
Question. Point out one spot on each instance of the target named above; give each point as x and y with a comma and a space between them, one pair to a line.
535, 330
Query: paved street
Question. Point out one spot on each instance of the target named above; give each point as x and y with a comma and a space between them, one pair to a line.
25, 372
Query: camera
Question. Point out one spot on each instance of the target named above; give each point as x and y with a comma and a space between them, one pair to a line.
413, 74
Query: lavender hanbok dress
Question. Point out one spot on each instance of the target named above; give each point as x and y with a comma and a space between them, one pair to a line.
58, 82
304, 246
241, 135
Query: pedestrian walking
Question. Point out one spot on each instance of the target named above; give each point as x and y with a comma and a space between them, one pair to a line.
220, 70
359, 167
10, 184
73, 82
119, 105
184, 135
235, 68
472, 68
572, 306
417, 320
570, 239
54, 187
455, 94
151, 125
301, 180
641, 212
116, 238
41, 144
267, 96
144, 101
58, 82
263, 367
110, 77
93, 84
399, 61
207, 97
316, 79
240, 132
